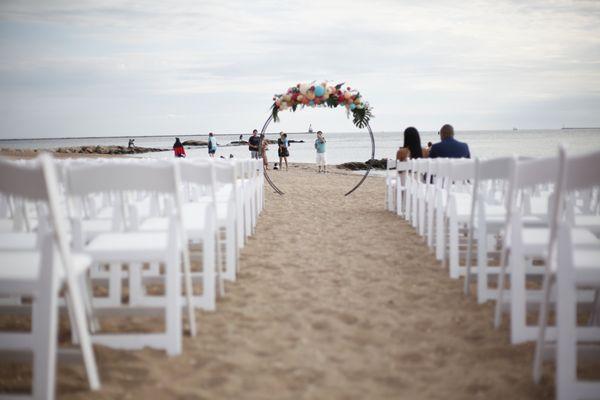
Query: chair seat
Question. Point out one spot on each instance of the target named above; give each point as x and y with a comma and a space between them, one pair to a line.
19, 270
591, 222
92, 227
499, 219
535, 240
194, 221
17, 241
587, 266
132, 246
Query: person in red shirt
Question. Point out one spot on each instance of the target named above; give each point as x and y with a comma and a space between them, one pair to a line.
178, 148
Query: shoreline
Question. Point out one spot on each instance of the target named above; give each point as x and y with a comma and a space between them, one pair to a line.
118, 151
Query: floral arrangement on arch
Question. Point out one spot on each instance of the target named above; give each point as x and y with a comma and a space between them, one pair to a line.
323, 95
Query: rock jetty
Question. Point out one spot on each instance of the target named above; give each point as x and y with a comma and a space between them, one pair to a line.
357, 166
105, 150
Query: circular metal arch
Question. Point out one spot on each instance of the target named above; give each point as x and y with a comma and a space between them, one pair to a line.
369, 164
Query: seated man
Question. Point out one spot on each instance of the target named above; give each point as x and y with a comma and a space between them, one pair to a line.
449, 147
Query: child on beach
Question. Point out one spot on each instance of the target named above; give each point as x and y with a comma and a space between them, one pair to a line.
283, 151
320, 148
178, 149
212, 145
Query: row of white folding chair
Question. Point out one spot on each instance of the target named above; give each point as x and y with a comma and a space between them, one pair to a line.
490, 213
434, 196
40, 273
573, 265
251, 184
135, 247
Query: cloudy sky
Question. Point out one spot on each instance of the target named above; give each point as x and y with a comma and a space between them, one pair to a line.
104, 68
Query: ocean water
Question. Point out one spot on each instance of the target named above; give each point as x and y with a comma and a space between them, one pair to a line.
344, 147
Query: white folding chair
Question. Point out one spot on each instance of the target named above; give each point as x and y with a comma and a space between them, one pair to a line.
525, 244
135, 248
460, 177
390, 185
402, 171
41, 274
575, 266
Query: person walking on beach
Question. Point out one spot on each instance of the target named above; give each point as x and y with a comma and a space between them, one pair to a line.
212, 145
282, 149
264, 147
131, 145
449, 147
412, 146
178, 149
254, 144
320, 143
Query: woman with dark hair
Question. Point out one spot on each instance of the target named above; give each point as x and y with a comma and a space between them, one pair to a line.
412, 146
178, 148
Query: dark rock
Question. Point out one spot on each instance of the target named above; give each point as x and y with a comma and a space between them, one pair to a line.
357, 166
194, 143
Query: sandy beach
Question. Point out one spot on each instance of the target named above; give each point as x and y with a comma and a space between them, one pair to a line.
336, 298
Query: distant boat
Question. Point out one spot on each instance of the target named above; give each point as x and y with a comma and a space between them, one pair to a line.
564, 128
310, 129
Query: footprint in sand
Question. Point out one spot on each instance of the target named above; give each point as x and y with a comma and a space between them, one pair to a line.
347, 318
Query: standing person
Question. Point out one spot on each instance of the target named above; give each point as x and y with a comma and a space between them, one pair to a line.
178, 149
264, 147
282, 149
320, 148
254, 144
131, 144
241, 137
212, 145
412, 146
449, 147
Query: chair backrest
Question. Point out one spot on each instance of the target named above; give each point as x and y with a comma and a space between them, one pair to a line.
495, 168
402, 165
461, 169
538, 171
37, 180
24, 180
580, 171
116, 175
225, 172
199, 173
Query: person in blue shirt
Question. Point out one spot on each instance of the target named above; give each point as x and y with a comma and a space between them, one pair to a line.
212, 145
449, 147
320, 148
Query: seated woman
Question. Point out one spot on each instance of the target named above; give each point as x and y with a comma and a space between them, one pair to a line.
412, 146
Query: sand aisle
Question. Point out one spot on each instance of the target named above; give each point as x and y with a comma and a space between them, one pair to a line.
336, 299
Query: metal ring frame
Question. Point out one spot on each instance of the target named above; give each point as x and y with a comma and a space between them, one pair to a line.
278, 191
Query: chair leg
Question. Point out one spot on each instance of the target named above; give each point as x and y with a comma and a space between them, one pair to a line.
500, 296
566, 350
44, 328
173, 304
542, 323
454, 270
189, 291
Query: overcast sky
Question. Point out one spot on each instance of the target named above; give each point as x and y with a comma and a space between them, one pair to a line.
104, 68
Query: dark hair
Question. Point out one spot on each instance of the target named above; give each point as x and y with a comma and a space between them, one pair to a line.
210, 134
285, 135
177, 143
412, 141
255, 131
320, 132
429, 144
447, 131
